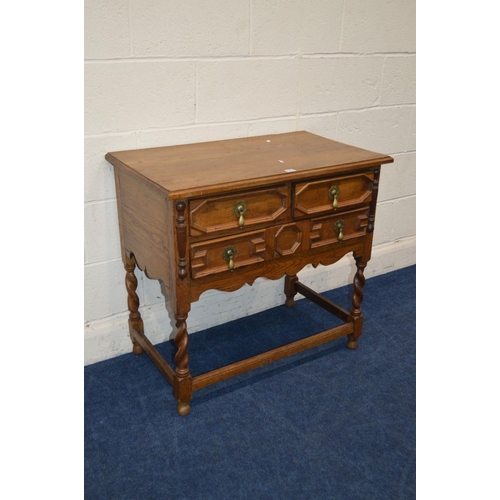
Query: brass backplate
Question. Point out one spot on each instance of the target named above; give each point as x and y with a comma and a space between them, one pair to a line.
333, 192
229, 253
240, 208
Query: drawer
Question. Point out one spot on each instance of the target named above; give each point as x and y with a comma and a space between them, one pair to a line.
211, 257
212, 215
326, 230
315, 197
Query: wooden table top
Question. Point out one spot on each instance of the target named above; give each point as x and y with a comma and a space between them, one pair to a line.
222, 166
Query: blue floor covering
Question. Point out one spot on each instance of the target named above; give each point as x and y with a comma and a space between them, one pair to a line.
328, 423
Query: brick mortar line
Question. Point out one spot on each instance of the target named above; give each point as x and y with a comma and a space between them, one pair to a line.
243, 122
243, 57
144, 59
358, 110
153, 307
331, 55
398, 198
101, 201
189, 126
99, 262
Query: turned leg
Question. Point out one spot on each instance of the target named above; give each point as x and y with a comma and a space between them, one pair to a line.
290, 289
357, 298
183, 390
135, 320
183, 387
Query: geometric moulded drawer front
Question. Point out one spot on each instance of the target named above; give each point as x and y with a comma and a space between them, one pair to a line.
325, 230
209, 257
319, 196
212, 215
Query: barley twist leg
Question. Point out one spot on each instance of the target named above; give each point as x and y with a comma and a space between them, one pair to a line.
357, 298
135, 320
183, 385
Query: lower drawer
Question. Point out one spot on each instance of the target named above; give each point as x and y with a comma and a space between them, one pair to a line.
337, 228
224, 254
216, 256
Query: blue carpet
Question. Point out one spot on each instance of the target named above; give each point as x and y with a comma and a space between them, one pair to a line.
328, 423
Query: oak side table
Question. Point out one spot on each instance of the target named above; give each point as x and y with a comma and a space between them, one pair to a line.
220, 214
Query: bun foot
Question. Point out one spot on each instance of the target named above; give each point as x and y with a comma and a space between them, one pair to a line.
183, 408
352, 344
137, 349
290, 302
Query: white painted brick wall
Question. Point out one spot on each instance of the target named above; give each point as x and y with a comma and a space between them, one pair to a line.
337, 83
230, 90
107, 29
137, 95
189, 28
170, 72
378, 26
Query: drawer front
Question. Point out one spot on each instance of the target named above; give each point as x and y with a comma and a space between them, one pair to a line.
212, 215
319, 196
212, 256
337, 228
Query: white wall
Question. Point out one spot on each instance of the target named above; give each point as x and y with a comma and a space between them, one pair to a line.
159, 73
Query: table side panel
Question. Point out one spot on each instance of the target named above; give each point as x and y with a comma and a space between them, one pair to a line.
145, 225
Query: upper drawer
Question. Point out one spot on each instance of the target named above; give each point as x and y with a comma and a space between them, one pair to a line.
211, 215
334, 194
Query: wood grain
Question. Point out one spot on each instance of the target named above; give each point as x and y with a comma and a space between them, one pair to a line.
268, 357
216, 214
311, 198
202, 169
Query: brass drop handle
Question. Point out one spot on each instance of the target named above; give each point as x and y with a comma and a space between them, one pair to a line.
240, 209
339, 228
228, 255
333, 194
